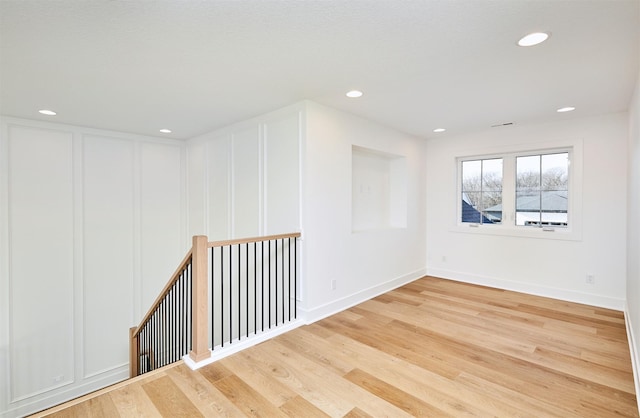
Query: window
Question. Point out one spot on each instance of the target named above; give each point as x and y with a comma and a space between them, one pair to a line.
522, 193
482, 191
542, 190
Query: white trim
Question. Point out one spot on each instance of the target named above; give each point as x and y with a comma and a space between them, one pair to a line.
5, 257
537, 290
635, 354
219, 353
231, 176
83, 130
331, 308
79, 290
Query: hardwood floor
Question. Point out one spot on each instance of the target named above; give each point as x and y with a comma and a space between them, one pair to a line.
432, 348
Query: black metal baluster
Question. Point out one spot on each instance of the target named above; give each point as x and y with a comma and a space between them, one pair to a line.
172, 324
255, 288
246, 287
176, 336
183, 318
147, 365
213, 306
295, 277
169, 343
262, 313
222, 295
289, 275
239, 293
163, 333
230, 294
154, 342
180, 313
275, 242
282, 280
269, 276
156, 350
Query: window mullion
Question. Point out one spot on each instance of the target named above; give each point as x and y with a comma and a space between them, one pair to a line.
509, 190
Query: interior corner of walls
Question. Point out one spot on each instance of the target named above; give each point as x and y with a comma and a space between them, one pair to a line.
313, 314
634, 349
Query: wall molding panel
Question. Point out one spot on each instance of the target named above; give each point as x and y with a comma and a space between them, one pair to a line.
93, 224
250, 177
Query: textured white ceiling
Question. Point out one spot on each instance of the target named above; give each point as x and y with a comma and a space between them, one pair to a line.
194, 66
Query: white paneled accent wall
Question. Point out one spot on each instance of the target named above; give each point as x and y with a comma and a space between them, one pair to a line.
244, 180
40, 260
93, 224
108, 275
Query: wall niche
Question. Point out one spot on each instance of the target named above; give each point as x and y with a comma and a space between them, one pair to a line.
378, 191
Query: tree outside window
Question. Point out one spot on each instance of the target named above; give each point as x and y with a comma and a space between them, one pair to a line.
482, 190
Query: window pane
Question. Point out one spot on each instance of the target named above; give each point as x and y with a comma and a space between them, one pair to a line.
492, 175
527, 208
471, 207
528, 173
481, 189
492, 207
542, 190
471, 176
555, 186
555, 172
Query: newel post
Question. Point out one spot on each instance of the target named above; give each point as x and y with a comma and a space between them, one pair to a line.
134, 355
200, 326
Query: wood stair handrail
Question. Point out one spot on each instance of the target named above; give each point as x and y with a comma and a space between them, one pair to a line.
164, 291
253, 239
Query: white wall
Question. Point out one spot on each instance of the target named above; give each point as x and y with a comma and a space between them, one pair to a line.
244, 180
92, 227
365, 263
549, 267
633, 234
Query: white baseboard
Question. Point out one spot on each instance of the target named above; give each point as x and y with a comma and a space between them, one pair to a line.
635, 354
221, 352
320, 312
532, 289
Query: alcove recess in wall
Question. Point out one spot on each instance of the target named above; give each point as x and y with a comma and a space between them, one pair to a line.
379, 190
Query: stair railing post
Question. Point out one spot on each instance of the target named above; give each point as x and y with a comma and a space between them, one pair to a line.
134, 355
200, 325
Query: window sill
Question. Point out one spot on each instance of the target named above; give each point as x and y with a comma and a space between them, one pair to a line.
565, 234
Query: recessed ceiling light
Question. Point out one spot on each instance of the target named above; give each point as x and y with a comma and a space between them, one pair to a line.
566, 109
47, 112
533, 39
165, 131
439, 130
354, 94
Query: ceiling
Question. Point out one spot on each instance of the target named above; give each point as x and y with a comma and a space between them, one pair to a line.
196, 66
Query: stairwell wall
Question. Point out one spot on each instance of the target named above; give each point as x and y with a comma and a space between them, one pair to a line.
92, 225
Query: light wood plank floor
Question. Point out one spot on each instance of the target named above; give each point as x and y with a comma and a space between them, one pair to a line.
432, 348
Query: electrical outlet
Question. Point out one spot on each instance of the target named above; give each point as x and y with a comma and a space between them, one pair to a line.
591, 279
444, 258
333, 284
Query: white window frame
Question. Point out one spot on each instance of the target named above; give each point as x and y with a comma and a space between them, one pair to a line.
508, 227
